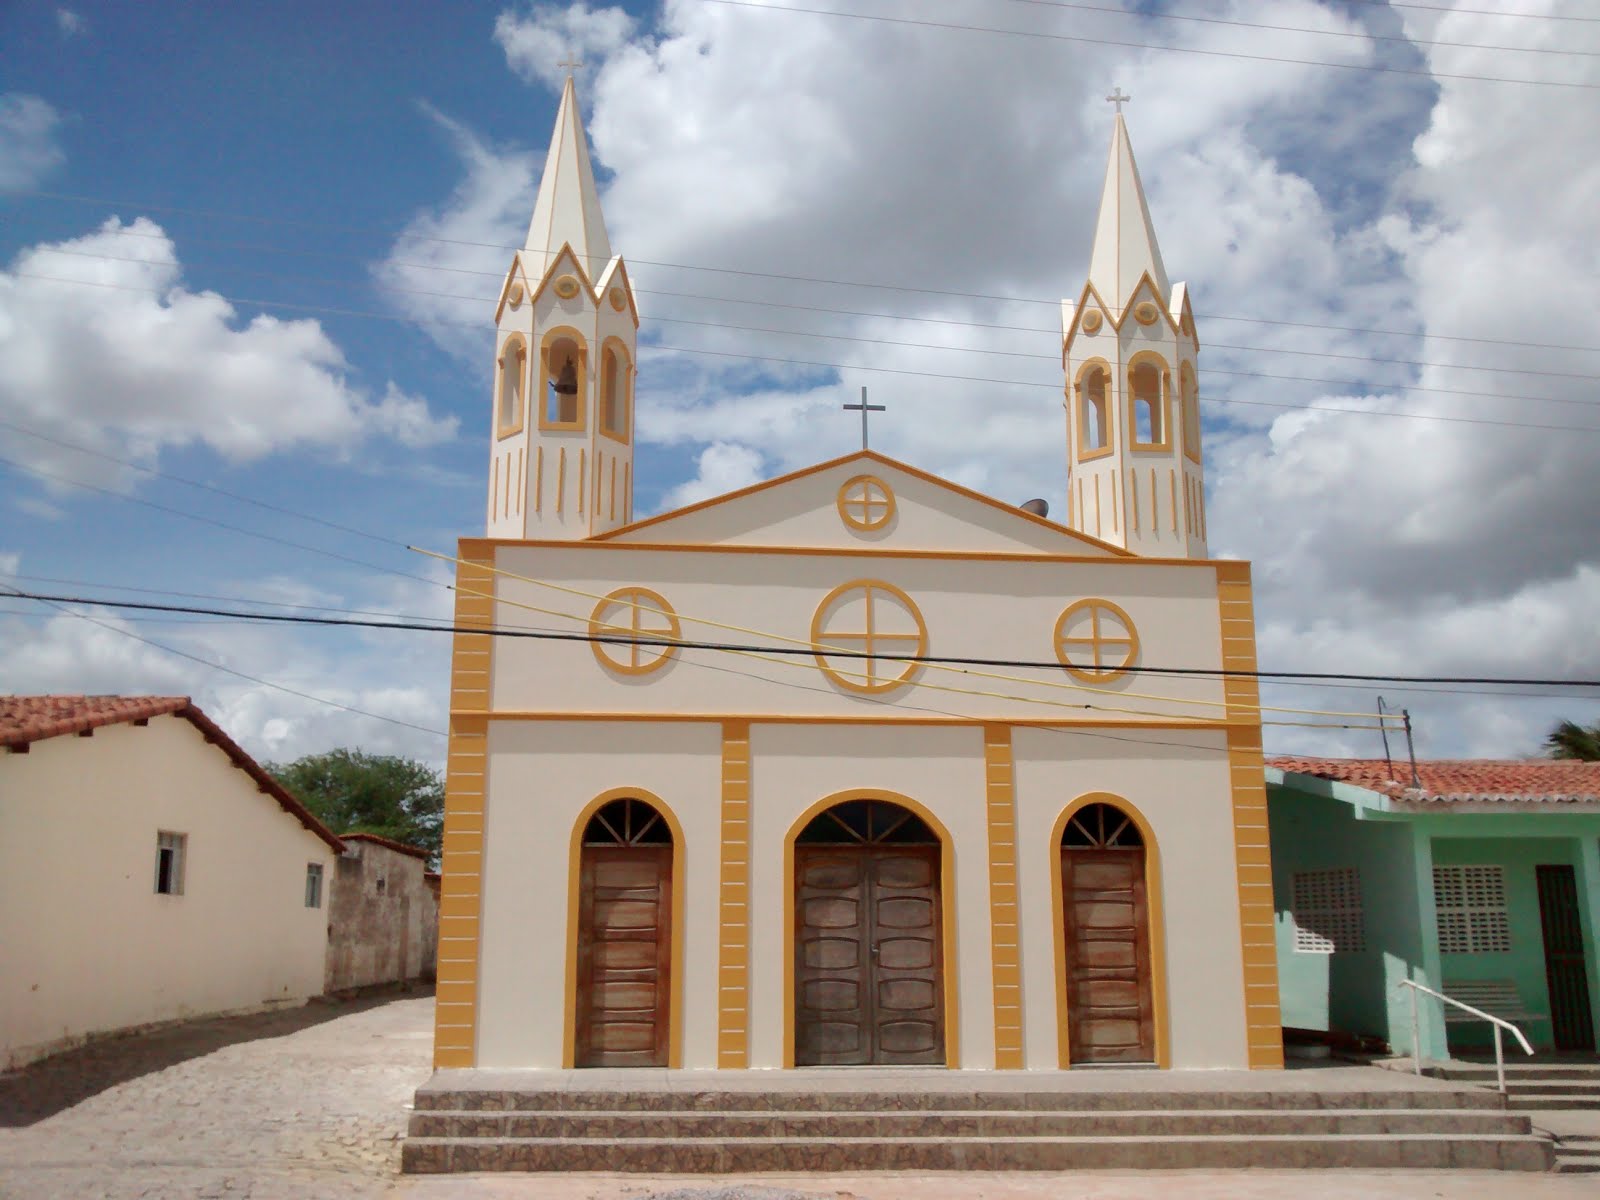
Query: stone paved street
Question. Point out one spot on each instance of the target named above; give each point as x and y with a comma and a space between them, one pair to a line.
313, 1104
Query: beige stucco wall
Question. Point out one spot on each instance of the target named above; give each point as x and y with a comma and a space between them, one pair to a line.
540, 777
87, 944
380, 936
1178, 781
992, 608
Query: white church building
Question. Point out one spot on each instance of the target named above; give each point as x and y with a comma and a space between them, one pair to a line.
819, 844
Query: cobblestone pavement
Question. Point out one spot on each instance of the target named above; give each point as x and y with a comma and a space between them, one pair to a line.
317, 1112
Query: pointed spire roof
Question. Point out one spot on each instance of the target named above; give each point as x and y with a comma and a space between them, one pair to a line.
568, 208
1124, 240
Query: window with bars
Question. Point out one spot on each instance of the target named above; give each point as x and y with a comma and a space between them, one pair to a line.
313, 885
1327, 911
171, 850
1470, 902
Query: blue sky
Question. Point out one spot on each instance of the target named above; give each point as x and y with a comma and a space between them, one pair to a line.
1355, 240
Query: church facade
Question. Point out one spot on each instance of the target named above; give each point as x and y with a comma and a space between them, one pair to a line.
718, 796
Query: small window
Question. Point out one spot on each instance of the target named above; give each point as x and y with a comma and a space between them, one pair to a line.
171, 850
614, 394
383, 885
1144, 381
1327, 911
1191, 413
1470, 903
563, 382
1092, 410
313, 885
513, 381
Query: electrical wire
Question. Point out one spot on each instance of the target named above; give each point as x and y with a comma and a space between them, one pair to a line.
953, 26
406, 235
823, 364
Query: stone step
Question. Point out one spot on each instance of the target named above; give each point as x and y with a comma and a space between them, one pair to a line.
1555, 1087
727, 1155
611, 1100
434, 1123
1551, 1103
1517, 1073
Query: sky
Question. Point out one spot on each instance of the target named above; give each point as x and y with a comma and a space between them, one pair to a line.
250, 255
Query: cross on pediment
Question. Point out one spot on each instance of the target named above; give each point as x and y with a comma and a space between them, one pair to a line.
864, 408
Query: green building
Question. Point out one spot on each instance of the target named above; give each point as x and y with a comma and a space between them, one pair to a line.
1479, 879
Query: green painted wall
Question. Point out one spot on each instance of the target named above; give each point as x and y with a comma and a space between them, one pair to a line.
1523, 963
1353, 991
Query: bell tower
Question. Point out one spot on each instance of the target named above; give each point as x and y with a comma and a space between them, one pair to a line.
1134, 475
566, 327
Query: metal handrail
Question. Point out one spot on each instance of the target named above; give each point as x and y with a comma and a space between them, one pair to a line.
1499, 1023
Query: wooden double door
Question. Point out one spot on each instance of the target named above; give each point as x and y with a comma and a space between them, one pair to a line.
869, 963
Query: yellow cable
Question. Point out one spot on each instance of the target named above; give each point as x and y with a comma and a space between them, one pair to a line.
823, 648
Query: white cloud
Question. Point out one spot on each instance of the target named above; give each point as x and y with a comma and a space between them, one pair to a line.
28, 148
547, 35
446, 266
128, 361
723, 467
10, 564
1323, 204
70, 23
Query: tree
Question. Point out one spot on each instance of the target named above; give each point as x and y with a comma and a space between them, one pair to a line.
351, 791
1571, 740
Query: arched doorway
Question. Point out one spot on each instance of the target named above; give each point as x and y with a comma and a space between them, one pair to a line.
869, 963
624, 937
1106, 926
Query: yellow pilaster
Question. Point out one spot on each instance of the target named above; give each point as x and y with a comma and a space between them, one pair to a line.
1252, 847
1004, 935
733, 956
461, 891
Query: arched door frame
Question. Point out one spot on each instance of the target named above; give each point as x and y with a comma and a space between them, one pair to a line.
569, 1033
1158, 924
947, 915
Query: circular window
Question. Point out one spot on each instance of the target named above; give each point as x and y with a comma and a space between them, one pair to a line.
868, 617
630, 613
865, 503
619, 299
567, 287
1096, 640
514, 297
1091, 321
1146, 313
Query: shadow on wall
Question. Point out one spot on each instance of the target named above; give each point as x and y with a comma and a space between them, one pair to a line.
42, 1089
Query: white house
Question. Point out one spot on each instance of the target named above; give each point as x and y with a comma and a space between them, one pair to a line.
150, 870
805, 850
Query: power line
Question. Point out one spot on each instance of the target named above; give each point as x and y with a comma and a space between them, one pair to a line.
952, 26
1364, 35
214, 214
1476, 12
661, 346
793, 651
486, 299
215, 666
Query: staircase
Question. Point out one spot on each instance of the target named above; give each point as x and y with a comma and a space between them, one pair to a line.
1562, 1098
844, 1123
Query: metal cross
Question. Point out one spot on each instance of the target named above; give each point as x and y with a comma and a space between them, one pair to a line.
569, 66
1118, 99
864, 409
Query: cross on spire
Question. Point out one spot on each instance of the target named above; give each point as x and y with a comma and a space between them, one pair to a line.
1119, 99
864, 408
570, 65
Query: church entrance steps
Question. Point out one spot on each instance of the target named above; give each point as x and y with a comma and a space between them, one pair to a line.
871, 1119
1563, 1096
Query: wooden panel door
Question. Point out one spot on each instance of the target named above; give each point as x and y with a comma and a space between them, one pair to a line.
868, 962
1109, 1012
1571, 1019
906, 955
624, 956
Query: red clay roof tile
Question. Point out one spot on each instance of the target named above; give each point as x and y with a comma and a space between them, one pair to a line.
1547, 780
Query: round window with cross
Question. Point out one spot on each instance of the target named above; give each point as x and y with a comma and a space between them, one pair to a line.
628, 614
868, 617
1096, 640
866, 503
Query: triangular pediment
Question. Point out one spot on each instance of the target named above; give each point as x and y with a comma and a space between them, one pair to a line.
517, 277
863, 501
614, 279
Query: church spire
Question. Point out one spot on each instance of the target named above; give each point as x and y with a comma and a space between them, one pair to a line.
1124, 239
567, 211
1135, 477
